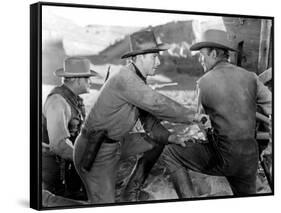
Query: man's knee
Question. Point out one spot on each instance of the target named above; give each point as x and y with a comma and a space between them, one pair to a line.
169, 158
242, 186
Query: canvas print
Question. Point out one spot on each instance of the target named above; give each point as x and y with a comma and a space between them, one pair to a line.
140, 105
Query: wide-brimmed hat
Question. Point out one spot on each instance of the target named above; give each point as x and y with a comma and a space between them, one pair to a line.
75, 67
143, 42
214, 39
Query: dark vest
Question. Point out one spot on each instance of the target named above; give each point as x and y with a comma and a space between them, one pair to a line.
77, 113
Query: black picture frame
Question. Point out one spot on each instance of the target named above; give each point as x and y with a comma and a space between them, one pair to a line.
36, 81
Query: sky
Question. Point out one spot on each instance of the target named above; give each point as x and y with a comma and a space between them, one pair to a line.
86, 16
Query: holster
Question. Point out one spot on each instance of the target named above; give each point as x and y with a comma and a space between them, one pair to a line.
95, 139
214, 146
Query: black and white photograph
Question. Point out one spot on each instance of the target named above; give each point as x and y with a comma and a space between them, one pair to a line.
141, 105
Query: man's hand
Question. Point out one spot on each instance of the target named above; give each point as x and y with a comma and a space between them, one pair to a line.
203, 121
177, 139
64, 149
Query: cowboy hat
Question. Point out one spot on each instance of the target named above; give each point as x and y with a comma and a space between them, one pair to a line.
75, 67
143, 42
214, 39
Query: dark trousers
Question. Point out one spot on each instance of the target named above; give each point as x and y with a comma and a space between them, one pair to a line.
61, 178
100, 180
51, 174
239, 162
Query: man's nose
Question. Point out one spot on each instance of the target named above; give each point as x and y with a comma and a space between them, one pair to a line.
200, 59
90, 82
157, 61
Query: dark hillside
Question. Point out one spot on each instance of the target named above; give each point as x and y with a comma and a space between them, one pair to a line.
178, 58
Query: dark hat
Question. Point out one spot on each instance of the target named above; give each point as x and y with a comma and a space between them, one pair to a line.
213, 38
143, 42
75, 67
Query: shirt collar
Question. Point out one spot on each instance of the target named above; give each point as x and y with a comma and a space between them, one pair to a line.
138, 72
219, 62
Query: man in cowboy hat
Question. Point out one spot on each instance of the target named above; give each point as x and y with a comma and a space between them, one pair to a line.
230, 95
124, 98
63, 114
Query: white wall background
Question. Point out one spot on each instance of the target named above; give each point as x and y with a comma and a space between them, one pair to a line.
14, 152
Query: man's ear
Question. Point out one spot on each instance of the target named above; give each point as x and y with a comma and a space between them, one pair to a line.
213, 53
137, 57
143, 56
78, 81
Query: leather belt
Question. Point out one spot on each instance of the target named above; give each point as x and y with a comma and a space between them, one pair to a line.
86, 133
109, 140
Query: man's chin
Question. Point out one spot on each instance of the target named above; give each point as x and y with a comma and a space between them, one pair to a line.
205, 69
86, 91
154, 71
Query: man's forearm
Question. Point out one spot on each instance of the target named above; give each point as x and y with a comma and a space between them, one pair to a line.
154, 128
64, 149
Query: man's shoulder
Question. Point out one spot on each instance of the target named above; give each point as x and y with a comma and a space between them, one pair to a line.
117, 80
243, 71
55, 98
56, 101
231, 66
119, 72
124, 73
205, 78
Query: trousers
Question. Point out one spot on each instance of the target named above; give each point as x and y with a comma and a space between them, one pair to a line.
100, 180
239, 166
61, 178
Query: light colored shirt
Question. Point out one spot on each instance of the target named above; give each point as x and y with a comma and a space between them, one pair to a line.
58, 114
116, 108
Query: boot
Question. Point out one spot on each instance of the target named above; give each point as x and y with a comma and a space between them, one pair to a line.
132, 191
182, 184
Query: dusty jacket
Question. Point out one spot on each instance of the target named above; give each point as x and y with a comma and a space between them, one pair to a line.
230, 95
116, 108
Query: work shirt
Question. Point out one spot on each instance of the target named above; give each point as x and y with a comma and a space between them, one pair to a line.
116, 108
63, 113
230, 95
58, 114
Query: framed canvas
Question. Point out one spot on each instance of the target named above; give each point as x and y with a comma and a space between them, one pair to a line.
136, 105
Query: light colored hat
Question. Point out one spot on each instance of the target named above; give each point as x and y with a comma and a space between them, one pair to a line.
213, 38
75, 67
143, 42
